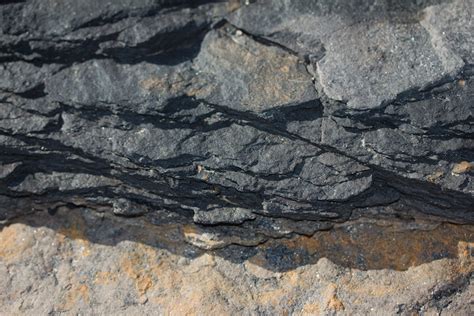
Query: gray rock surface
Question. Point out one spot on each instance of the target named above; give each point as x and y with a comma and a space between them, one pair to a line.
249, 121
230, 118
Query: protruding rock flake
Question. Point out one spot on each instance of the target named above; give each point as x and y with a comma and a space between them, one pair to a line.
370, 65
286, 157
249, 76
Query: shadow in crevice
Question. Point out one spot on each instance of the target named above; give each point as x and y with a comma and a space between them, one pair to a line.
97, 35
365, 245
369, 246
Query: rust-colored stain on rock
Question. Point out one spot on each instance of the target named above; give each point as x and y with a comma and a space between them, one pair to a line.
161, 271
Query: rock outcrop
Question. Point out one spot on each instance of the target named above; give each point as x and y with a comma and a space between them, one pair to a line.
217, 133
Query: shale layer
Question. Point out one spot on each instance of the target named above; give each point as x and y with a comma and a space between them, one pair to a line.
223, 157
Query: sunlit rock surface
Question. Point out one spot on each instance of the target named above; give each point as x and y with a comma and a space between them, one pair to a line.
79, 262
224, 157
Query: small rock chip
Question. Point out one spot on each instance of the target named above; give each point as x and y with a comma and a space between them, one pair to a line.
463, 167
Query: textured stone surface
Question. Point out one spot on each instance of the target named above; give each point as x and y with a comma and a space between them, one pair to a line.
252, 137
79, 262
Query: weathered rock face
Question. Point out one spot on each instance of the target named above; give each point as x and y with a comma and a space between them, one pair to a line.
244, 128
77, 262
